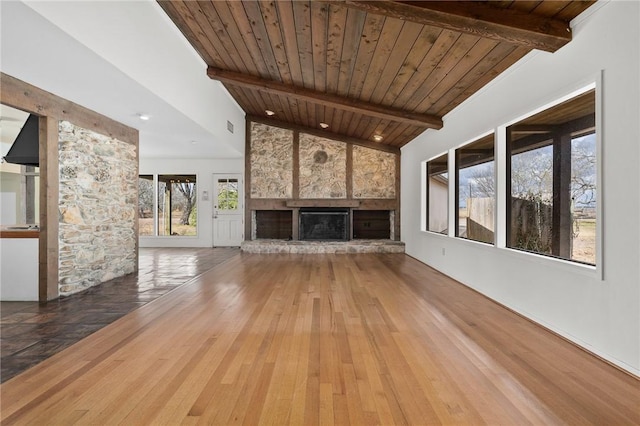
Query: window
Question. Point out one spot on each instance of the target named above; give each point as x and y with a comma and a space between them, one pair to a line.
145, 205
19, 184
475, 188
20, 187
437, 195
227, 194
176, 212
551, 181
177, 204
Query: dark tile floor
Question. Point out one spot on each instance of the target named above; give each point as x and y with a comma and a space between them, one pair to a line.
30, 332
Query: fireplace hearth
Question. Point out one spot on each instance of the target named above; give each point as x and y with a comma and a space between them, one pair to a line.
324, 224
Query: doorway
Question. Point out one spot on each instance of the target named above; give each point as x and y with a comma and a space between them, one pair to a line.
228, 224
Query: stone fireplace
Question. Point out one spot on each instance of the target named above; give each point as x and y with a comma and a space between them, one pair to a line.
307, 188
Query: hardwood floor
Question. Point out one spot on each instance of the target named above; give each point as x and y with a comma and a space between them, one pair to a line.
322, 339
31, 332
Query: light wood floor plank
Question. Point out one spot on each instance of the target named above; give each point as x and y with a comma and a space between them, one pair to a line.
319, 340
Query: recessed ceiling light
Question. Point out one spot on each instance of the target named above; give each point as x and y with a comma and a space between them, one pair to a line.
269, 112
194, 142
377, 138
144, 117
324, 125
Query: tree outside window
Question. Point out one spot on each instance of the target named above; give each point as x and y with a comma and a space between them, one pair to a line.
145, 205
552, 181
176, 212
227, 194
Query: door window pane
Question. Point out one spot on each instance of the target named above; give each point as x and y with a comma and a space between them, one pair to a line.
227, 194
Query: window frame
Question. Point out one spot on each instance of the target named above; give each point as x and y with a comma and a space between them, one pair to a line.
155, 207
502, 161
560, 144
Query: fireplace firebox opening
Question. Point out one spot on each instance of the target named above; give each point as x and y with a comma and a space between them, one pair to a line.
324, 224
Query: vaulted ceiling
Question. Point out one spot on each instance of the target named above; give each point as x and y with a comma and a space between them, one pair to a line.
380, 71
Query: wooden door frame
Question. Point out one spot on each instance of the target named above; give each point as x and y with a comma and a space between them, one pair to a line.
52, 109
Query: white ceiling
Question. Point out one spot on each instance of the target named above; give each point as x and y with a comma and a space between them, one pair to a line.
123, 58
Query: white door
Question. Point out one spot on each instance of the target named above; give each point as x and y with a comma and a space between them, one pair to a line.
228, 225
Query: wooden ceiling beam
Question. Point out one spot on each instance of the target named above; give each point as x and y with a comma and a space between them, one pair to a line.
477, 18
325, 99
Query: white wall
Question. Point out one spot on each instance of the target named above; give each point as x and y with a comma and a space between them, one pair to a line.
144, 65
145, 45
204, 170
602, 315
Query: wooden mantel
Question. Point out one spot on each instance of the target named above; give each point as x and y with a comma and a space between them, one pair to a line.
323, 203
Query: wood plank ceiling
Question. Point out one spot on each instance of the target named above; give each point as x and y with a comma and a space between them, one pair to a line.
379, 71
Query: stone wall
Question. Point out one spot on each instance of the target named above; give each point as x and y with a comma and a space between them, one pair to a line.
97, 208
271, 162
374, 173
290, 169
323, 167
322, 171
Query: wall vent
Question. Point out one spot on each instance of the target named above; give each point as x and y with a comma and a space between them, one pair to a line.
229, 126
